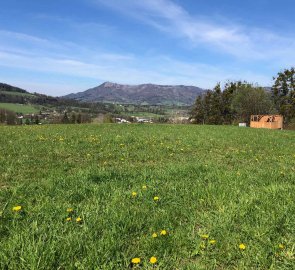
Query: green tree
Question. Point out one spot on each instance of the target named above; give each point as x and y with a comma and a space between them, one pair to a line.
79, 118
236, 102
108, 118
216, 114
198, 111
10, 118
249, 100
207, 107
284, 93
65, 119
2, 116
229, 113
37, 121
73, 118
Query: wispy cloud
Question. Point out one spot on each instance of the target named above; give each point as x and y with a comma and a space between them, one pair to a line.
81, 26
239, 41
81, 60
159, 69
21, 43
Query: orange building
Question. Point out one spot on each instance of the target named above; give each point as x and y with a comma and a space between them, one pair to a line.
267, 121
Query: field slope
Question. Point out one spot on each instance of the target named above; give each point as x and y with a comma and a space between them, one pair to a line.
19, 108
93, 197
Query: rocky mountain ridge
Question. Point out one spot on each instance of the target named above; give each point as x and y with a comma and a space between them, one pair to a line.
150, 94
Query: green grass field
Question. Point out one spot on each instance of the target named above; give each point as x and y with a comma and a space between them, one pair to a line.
17, 93
19, 108
224, 196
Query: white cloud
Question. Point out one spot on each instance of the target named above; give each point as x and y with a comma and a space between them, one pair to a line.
242, 42
61, 57
158, 69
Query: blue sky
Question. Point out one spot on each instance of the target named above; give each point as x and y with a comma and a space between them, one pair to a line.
62, 46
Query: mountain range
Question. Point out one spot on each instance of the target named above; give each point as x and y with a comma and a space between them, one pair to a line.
143, 94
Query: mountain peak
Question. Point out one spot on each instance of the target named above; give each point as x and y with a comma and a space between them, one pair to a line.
148, 93
109, 84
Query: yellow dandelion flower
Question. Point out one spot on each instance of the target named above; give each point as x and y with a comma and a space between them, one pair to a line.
156, 198
163, 232
242, 246
78, 219
144, 187
69, 219
281, 246
135, 260
212, 242
134, 193
17, 208
203, 245
153, 260
205, 236
69, 210
154, 235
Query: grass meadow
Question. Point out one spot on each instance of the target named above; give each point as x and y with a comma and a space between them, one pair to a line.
146, 197
19, 108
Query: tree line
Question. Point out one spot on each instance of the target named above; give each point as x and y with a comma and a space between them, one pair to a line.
237, 101
11, 118
7, 117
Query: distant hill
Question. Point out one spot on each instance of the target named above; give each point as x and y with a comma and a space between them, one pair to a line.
9, 88
21, 101
13, 94
149, 94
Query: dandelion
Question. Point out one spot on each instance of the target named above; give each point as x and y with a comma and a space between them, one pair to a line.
70, 210
205, 236
17, 208
203, 245
212, 242
78, 219
156, 198
154, 235
153, 260
134, 194
69, 219
242, 246
144, 187
163, 232
281, 246
135, 260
